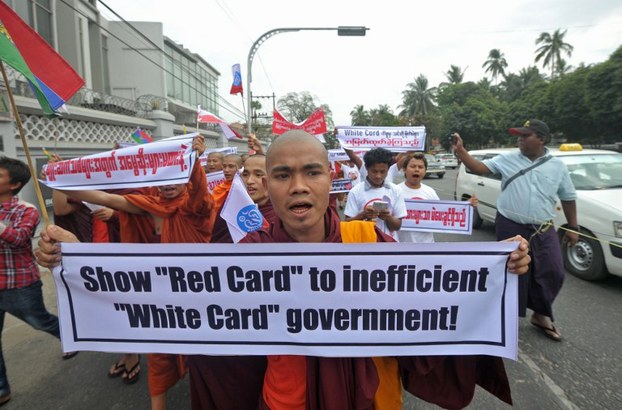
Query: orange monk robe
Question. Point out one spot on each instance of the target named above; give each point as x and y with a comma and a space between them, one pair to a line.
220, 193
187, 218
220, 233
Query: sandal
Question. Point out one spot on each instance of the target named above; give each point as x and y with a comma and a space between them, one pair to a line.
117, 370
130, 376
550, 332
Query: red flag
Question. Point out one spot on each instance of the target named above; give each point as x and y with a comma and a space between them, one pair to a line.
236, 87
44, 62
315, 124
209, 118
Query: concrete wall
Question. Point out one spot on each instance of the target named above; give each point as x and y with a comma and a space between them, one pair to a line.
131, 75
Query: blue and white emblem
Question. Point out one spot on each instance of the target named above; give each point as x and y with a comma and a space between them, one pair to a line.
249, 218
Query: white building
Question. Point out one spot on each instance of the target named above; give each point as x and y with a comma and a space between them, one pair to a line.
134, 78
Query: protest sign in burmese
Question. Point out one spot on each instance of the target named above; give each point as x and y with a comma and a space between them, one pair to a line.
391, 138
287, 298
438, 216
154, 164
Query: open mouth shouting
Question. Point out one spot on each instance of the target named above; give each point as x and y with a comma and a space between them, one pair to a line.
300, 208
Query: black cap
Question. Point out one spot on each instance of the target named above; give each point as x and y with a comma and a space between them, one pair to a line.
531, 126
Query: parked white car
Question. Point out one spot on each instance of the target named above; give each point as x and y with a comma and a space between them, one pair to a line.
434, 166
597, 176
448, 160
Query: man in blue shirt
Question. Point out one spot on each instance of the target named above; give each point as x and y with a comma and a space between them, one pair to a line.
532, 181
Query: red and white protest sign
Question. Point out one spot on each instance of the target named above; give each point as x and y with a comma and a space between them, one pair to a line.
154, 164
391, 138
213, 179
315, 124
438, 216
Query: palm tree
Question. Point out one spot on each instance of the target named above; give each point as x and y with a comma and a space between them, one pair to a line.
360, 116
529, 75
455, 74
418, 98
563, 67
383, 115
496, 64
551, 49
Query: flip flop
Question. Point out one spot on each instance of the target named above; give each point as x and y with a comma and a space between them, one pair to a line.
133, 379
550, 332
118, 370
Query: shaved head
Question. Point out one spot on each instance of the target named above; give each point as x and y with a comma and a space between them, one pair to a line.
297, 137
233, 157
298, 184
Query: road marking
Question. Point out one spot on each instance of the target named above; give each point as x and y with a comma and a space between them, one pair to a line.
559, 393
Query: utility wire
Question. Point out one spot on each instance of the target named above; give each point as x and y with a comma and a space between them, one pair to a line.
149, 59
177, 63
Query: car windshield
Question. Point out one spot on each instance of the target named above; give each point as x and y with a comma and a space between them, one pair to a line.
598, 171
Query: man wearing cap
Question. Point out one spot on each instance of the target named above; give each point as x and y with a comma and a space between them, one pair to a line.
532, 181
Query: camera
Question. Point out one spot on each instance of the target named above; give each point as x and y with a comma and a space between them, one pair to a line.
451, 139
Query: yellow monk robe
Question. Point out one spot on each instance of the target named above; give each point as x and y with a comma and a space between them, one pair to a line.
389, 393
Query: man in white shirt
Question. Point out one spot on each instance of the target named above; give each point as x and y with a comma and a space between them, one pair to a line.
414, 170
376, 198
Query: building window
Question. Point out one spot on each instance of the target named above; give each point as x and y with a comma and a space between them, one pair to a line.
38, 15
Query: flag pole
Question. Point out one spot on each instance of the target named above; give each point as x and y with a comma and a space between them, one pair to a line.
22, 135
243, 107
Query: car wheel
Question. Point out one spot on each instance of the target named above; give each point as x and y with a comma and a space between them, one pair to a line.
477, 220
441, 175
585, 260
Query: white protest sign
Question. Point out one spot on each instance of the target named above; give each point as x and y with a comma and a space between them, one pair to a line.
438, 216
350, 300
213, 179
339, 154
391, 138
154, 164
341, 185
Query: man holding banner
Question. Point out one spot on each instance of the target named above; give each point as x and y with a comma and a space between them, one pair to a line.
183, 213
298, 184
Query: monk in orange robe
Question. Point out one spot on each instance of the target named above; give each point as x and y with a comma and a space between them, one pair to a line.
182, 213
231, 164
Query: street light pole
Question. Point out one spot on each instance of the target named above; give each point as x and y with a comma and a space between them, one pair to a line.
341, 31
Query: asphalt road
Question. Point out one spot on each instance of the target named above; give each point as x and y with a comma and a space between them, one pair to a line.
583, 371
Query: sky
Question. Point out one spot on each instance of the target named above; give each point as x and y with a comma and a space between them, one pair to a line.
405, 39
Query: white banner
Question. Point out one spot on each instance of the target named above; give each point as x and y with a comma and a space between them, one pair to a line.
391, 138
154, 164
213, 179
339, 154
341, 185
350, 300
438, 216
224, 151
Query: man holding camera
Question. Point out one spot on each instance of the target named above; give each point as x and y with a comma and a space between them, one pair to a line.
377, 199
532, 181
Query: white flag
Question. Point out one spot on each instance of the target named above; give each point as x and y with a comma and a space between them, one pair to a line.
240, 212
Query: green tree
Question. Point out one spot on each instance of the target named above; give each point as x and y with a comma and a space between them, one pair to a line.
551, 49
360, 116
473, 111
297, 107
383, 116
604, 98
418, 98
454, 75
496, 64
